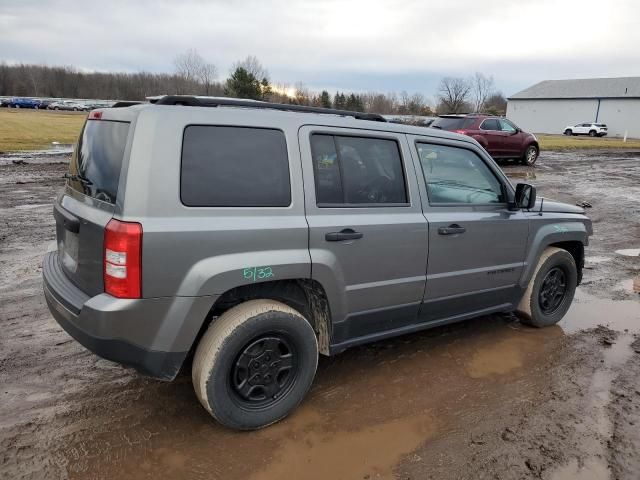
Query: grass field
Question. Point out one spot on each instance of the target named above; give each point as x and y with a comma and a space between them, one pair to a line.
562, 142
35, 129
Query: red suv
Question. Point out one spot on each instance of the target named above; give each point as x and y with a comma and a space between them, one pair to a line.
500, 137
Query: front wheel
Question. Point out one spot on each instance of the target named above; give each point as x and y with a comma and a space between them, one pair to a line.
568, 132
593, 133
530, 155
551, 289
255, 364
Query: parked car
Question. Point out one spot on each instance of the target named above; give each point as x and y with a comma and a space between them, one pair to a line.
68, 105
500, 137
255, 236
591, 129
21, 102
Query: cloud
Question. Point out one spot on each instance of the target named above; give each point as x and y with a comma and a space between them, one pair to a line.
360, 45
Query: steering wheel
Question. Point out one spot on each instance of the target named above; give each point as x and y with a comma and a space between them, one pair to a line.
376, 191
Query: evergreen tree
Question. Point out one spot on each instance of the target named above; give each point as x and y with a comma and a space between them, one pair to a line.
243, 84
339, 101
325, 99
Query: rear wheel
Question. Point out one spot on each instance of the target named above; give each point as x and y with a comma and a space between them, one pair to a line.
593, 133
551, 289
255, 364
530, 155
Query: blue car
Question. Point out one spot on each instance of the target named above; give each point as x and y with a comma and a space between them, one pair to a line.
20, 102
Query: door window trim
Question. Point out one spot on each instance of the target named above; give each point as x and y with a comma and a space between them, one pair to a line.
377, 136
503, 185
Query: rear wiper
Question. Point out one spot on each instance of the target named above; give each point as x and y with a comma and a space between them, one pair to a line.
78, 178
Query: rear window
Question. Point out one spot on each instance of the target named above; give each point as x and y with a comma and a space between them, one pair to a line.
97, 160
447, 123
234, 167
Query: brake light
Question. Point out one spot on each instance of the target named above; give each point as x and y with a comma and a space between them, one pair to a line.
122, 259
95, 115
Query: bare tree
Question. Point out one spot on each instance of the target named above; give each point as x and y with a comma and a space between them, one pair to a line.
207, 74
253, 66
189, 64
482, 88
454, 93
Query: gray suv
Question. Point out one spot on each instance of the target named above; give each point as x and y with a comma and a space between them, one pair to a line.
244, 239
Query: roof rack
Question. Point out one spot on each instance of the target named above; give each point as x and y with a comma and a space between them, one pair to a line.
125, 104
192, 101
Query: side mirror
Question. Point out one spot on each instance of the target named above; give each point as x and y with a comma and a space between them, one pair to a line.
525, 196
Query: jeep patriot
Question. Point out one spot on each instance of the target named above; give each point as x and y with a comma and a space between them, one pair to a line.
244, 238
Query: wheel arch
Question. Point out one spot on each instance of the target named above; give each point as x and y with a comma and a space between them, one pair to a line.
307, 296
570, 236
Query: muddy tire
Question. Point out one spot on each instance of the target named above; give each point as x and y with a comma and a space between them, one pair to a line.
255, 364
530, 156
551, 289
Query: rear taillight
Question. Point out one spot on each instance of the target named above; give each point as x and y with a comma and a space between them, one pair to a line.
95, 115
123, 259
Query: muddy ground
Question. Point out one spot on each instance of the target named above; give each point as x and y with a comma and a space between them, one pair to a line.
488, 398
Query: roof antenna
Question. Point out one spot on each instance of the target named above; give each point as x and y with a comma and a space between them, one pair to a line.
541, 203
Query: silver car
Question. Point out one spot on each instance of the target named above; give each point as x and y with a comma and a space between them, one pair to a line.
253, 237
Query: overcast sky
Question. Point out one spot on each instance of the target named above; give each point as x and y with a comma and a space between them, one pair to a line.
347, 45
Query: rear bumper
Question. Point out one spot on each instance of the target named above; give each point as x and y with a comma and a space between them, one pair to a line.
152, 335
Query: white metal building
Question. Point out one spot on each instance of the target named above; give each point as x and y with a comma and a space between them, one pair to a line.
549, 106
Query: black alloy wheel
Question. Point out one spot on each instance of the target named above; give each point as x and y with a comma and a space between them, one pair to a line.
552, 290
264, 371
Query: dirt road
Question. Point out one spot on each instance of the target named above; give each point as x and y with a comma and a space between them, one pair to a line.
488, 398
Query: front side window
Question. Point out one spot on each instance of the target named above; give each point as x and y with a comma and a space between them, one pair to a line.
234, 167
357, 170
507, 126
458, 176
490, 124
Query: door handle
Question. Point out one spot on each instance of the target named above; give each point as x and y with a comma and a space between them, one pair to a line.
452, 229
345, 234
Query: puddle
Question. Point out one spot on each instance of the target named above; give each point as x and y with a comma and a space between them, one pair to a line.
371, 452
370, 408
503, 356
596, 259
58, 153
528, 175
590, 469
630, 285
629, 252
596, 427
588, 311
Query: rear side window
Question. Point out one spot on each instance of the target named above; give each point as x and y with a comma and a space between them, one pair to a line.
357, 170
455, 123
234, 167
97, 160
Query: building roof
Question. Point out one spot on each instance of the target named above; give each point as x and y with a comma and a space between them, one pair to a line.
621, 87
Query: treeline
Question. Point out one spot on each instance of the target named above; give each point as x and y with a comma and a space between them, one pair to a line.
247, 79
67, 82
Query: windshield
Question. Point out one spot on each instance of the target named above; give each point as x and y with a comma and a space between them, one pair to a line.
95, 166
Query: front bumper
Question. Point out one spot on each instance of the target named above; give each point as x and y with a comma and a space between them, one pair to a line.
153, 335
